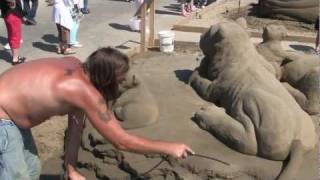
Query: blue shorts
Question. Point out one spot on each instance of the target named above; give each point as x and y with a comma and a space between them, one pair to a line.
18, 153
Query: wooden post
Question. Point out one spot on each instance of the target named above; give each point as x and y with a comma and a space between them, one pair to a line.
145, 41
143, 47
151, 23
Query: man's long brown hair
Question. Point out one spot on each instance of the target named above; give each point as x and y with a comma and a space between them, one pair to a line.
103, 67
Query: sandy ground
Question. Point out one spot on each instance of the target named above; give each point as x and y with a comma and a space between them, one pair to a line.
165, 75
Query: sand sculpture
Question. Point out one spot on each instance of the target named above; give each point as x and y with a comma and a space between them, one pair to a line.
135, 108
299, 72
305, 10
252, 113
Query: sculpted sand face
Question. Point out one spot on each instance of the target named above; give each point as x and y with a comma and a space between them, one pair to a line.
252, 113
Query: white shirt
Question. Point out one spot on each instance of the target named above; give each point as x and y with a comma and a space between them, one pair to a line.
61, 13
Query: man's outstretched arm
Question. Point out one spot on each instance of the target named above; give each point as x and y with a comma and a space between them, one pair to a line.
89, 100
107, 125
85, 97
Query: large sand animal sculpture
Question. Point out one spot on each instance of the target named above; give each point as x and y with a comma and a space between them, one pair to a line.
135, 108
303, 10
299, 72
252, 113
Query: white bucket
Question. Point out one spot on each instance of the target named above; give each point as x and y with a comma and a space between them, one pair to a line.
166, 39
135, 24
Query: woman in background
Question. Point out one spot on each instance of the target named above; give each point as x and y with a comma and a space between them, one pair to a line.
12, 13
64, 22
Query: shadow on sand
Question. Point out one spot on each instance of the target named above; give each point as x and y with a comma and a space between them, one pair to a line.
3, 40
303, 48
167, 12
120, 27
44, 46
51, 177
49, 45
4, 54
50, 38
183, 75
173, 7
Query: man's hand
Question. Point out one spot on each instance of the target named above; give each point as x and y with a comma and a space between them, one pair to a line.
74, 175
177, 150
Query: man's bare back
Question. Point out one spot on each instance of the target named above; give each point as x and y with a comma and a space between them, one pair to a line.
32, 92
29, 92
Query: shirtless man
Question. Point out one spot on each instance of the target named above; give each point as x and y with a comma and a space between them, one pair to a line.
33, 92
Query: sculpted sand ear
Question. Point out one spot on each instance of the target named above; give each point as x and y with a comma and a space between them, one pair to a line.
238, 79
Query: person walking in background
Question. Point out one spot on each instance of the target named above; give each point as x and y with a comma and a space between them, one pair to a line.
317, 46
187, 7
76, 16
202, 3
85, 9
64, 22
31, 12
12, 13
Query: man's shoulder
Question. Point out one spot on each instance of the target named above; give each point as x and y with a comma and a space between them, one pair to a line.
75, 86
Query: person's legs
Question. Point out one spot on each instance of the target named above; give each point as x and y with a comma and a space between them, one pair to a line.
183, 8
13, 24
65, 38
85, 4
191, 6
85, 9
31, 154
26, 7
203, 3
59, 48
12, 159
317, 43
317, 28
30, 12
59, 32
34, 9
74, 32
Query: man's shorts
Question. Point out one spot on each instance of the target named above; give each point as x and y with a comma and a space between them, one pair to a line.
18, 154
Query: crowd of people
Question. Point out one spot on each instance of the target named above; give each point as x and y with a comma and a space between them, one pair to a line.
66, 15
